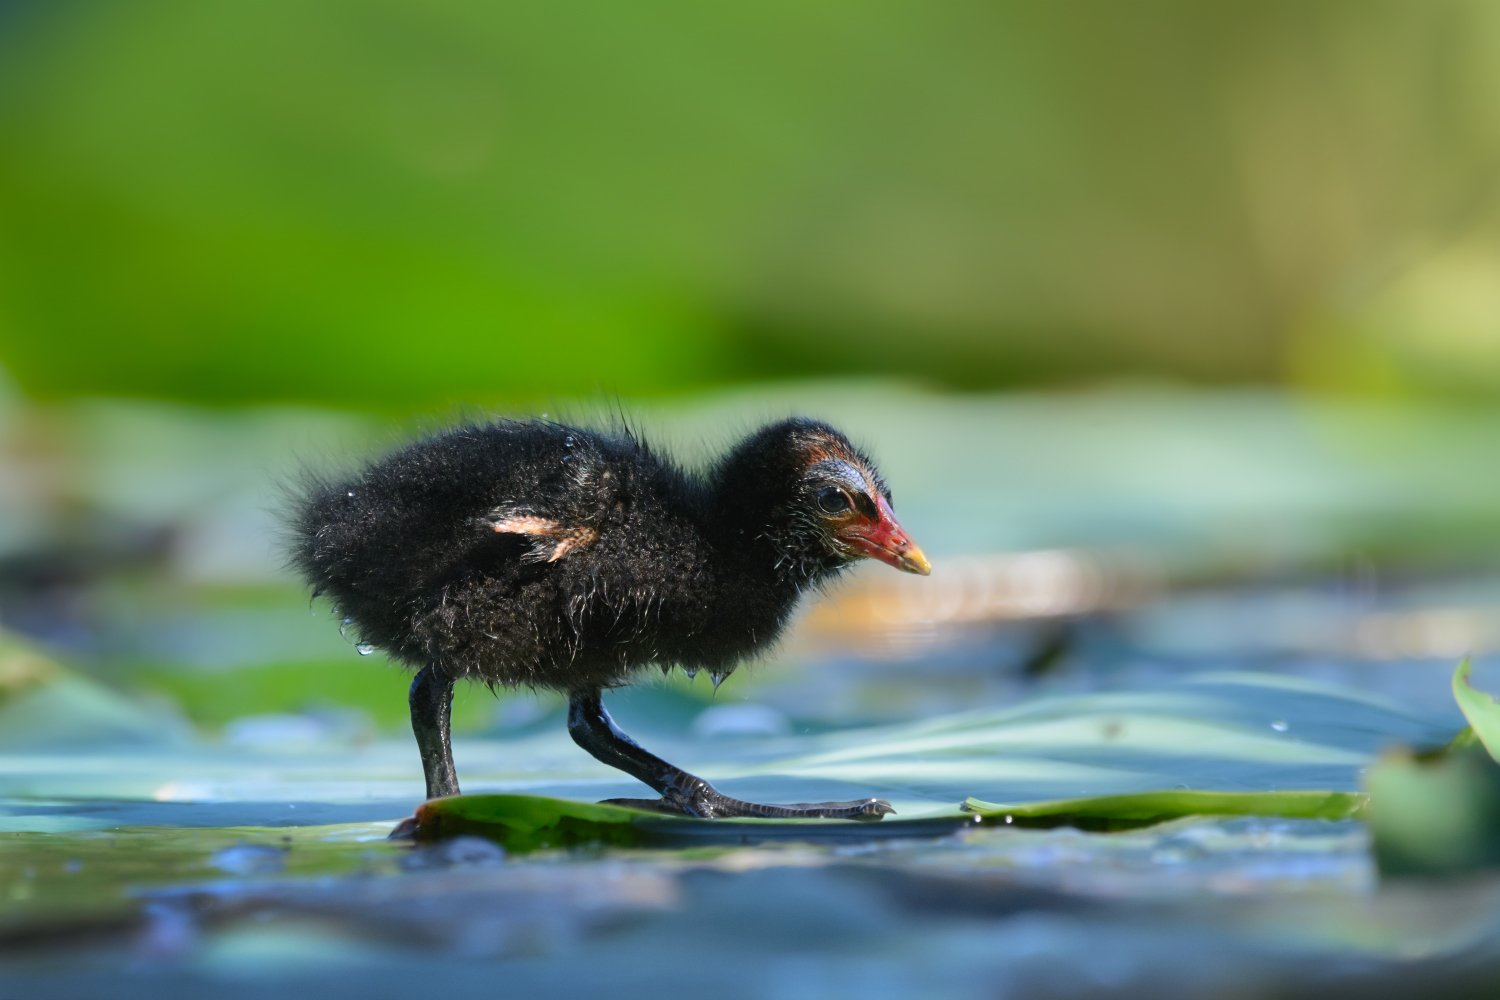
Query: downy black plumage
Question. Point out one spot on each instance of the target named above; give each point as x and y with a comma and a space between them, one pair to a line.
533, 553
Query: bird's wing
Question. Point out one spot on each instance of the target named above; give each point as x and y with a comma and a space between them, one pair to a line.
550, 539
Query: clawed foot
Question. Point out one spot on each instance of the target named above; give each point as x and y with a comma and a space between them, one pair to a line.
684, 793
708, 803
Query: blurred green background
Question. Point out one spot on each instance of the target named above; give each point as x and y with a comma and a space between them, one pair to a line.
1214, 284
400, 206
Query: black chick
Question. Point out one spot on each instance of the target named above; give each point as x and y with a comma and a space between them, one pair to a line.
532, 553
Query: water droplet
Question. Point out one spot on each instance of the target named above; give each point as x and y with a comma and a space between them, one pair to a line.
568, 441
717, 677
1280, 725
351, 493
691, 672
364, 648
344, 627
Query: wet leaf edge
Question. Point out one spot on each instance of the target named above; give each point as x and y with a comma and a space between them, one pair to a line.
1479, 707
1140, 809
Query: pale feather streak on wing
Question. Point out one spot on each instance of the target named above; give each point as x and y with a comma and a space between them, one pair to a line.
568, 538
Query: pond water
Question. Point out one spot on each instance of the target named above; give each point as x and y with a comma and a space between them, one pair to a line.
198, 777
173, 865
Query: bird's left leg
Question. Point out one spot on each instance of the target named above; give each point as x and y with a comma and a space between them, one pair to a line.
592, 728
431, 701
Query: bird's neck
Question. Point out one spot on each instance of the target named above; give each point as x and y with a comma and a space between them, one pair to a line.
758, 553
751, 526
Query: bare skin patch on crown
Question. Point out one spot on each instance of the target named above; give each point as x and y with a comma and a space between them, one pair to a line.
820, 449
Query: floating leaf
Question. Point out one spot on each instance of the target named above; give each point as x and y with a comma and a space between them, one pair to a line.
1481, 709
1435, 813
529, 822
1125, 812
1463, 740
526, 822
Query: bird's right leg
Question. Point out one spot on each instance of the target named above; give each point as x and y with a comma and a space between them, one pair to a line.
431, 701
592, 728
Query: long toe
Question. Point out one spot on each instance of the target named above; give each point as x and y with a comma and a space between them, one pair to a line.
699, 799
859, 809
866, 810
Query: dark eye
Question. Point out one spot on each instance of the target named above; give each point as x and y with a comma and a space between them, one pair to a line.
832, 500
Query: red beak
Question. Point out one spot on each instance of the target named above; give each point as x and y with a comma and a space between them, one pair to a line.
886, 540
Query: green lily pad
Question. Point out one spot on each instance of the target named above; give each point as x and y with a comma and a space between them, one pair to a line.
529, 822
1480, 708
1126, 812
1435, 813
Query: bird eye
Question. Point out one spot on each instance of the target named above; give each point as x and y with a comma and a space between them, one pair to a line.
832, 500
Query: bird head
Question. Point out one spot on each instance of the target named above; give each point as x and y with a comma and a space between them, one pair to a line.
843, 495
829, 504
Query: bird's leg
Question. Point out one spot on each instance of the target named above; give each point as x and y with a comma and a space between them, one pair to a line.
431, 714
592, 728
